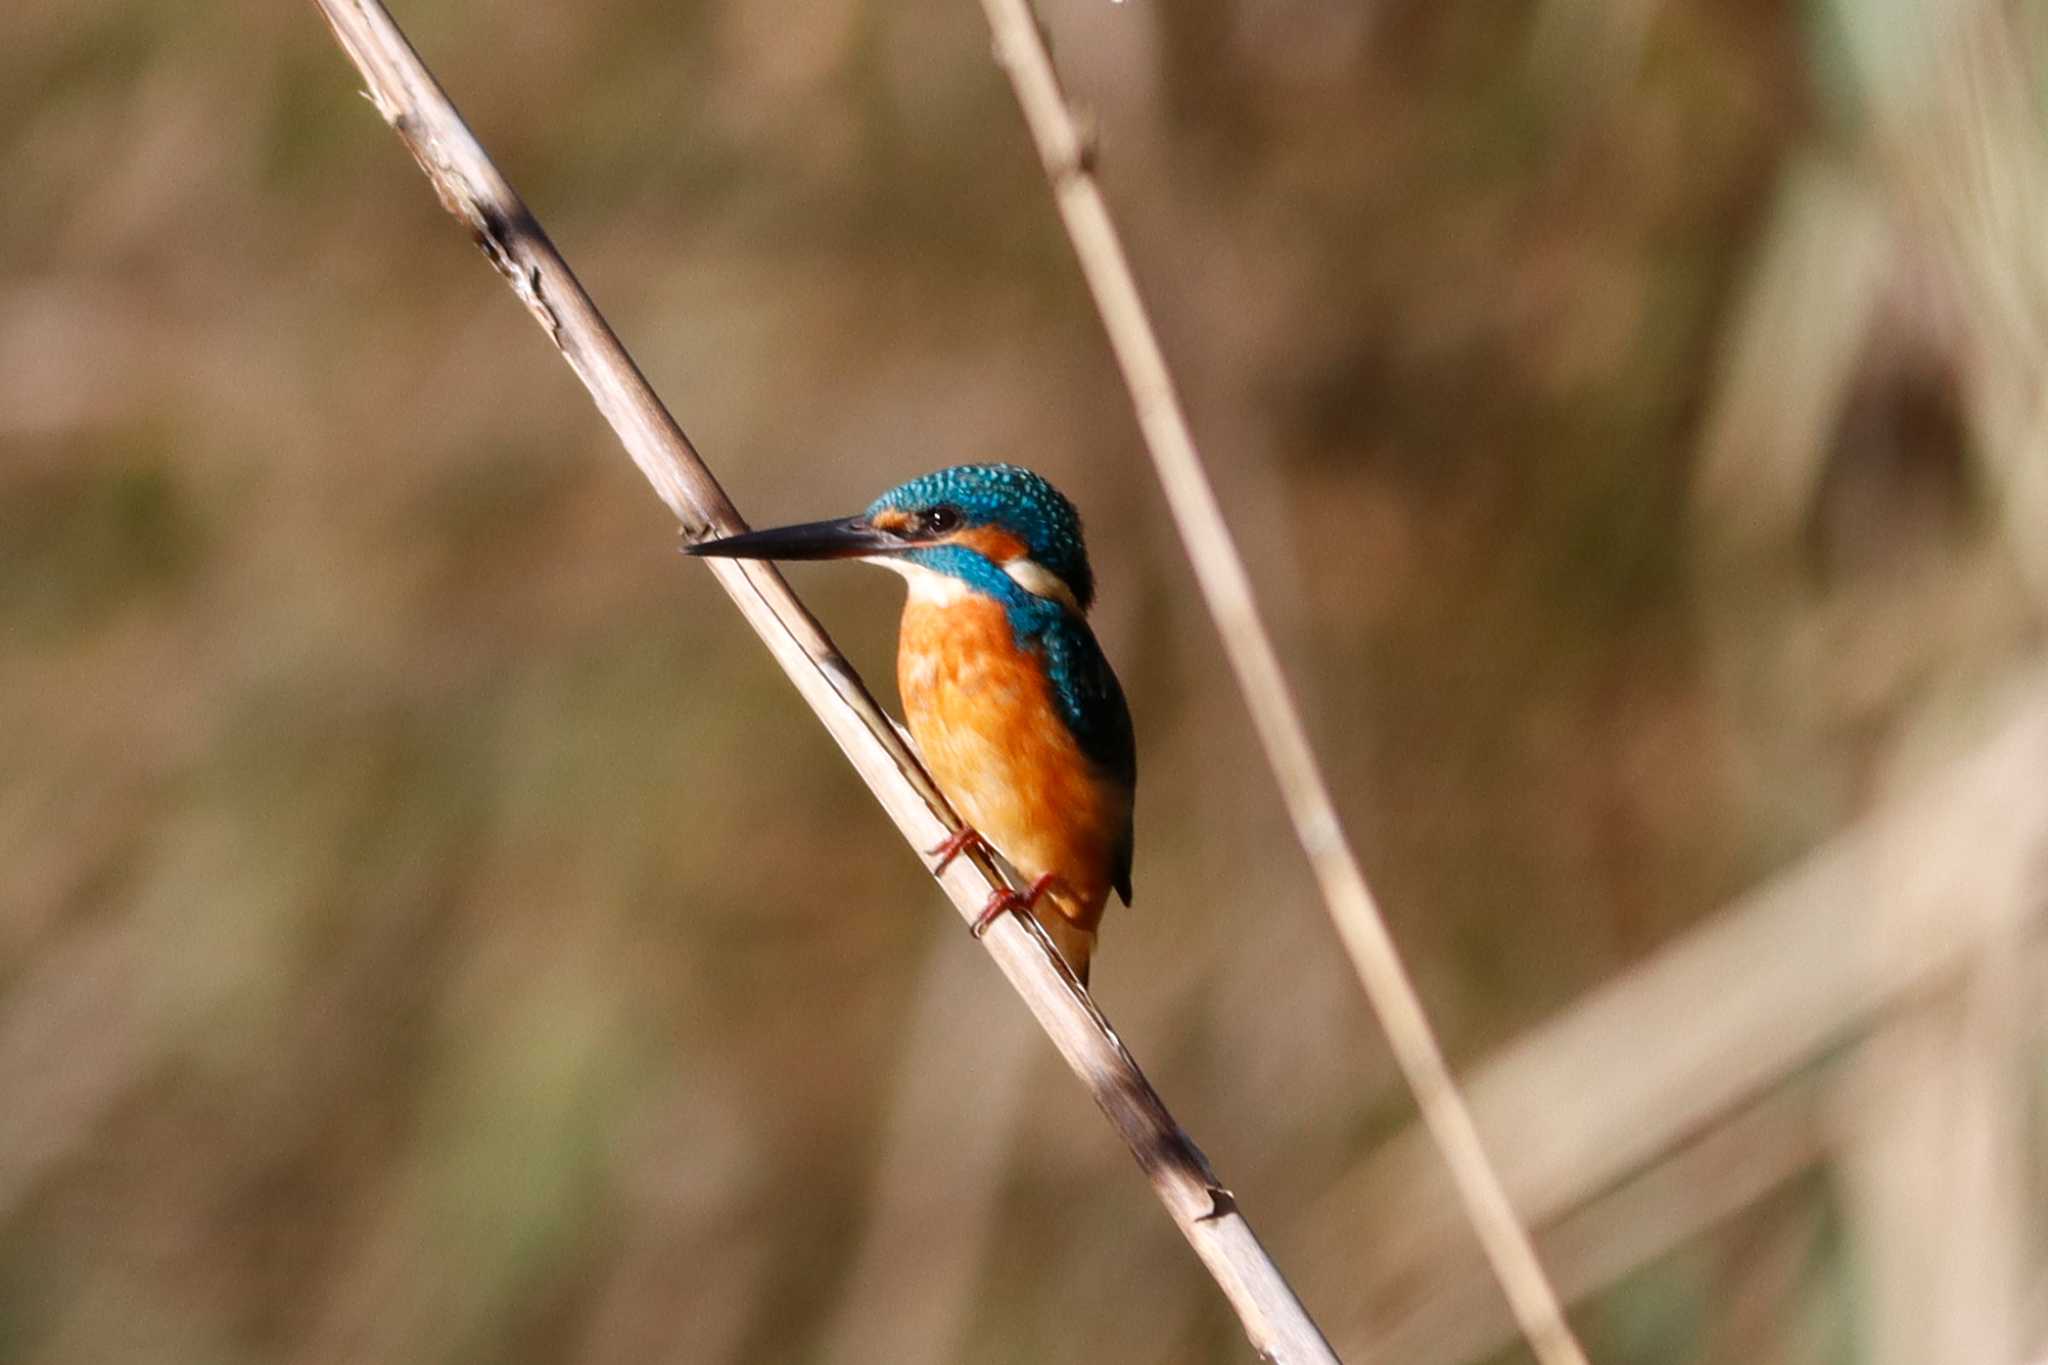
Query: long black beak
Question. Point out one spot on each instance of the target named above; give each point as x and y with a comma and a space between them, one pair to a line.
846, 538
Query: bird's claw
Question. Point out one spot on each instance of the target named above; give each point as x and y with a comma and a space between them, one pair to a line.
955, 844
1000, 902
1004, 899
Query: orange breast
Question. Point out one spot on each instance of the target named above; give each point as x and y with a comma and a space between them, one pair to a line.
984, 716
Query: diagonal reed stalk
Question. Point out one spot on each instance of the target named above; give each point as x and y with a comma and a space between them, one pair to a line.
471, 189
1021, 52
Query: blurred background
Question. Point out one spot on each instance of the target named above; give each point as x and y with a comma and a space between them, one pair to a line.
431, 930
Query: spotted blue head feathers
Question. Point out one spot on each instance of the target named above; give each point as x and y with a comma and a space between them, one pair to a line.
1002, 498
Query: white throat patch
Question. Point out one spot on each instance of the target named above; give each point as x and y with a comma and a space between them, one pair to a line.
927, 586
932, 588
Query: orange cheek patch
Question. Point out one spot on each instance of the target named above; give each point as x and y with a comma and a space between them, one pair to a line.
998, 545
892, 521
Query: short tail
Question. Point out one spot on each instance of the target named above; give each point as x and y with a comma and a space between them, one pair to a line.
1076, 944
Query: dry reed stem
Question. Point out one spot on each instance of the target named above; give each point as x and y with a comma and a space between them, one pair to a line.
472, 189
1746, 1156
1935, 1171
1068, 156
1887, 918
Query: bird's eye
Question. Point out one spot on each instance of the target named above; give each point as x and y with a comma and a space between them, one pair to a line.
942, 519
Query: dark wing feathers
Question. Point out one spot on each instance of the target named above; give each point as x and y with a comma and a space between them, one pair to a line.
1092, 704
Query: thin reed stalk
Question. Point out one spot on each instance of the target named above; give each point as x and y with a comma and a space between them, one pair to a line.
1226, 588
473, 190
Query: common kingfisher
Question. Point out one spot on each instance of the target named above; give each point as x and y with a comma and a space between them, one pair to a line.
1017, 713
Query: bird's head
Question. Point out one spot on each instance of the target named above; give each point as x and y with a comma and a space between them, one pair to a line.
944, 522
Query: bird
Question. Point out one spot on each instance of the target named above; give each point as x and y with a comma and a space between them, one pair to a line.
1015, 710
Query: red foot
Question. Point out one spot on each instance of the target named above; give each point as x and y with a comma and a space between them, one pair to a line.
957, 843
1003, 900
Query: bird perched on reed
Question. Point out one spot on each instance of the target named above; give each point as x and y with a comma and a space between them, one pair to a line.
1013, 706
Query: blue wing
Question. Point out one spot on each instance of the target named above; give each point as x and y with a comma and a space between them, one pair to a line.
1092, 704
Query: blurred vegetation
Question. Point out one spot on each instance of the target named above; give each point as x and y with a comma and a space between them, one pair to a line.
431, 931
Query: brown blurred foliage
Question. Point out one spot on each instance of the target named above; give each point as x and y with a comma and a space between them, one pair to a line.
431, 931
